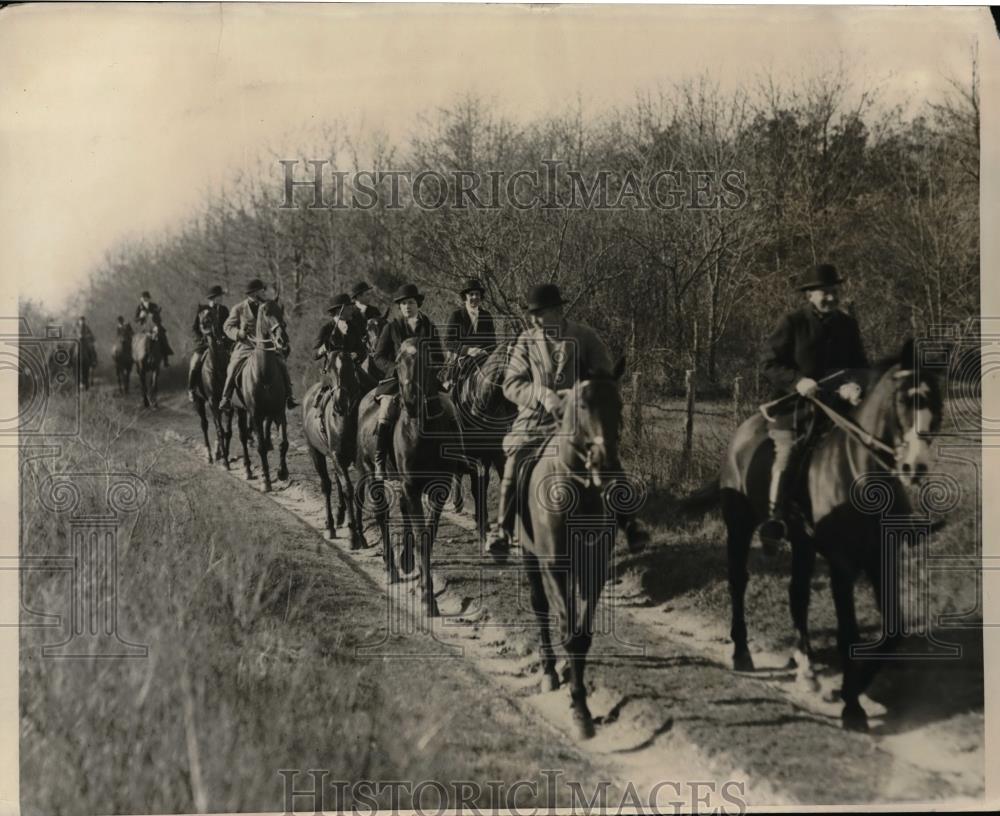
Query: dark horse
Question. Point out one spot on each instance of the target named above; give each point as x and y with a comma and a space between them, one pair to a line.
208, 393
335, 435
846, 469
87, 360
567, 562
427, 448
121, 356
485, 416
147, 359
261, 388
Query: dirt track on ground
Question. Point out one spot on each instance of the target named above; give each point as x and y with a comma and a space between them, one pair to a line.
667, 705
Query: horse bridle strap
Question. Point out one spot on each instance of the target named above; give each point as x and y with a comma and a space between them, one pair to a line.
870, 441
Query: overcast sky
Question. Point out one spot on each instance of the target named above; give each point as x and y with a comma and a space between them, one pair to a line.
114, 121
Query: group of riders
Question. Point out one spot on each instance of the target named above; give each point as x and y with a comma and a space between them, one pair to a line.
815, 351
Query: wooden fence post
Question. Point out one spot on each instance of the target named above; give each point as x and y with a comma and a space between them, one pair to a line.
637, 407
737, 398
688, 418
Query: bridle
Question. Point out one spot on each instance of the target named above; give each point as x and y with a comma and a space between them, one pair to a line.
341, 406
590, 475
273, 340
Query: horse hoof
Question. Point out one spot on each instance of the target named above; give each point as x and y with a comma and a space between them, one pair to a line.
267, 487
550, 680
743, 662
853, 718
583, 721
331, 532
282, 475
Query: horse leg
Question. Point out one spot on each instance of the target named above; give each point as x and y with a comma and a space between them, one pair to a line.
319, 462
540, 607
803, 563
589, 573
428, 533
457, 493
738, 516
244, 427
842, 576
354, 524
142, 385
480, 486
203, 417
283, 454
155, 386
262, 439
380, 499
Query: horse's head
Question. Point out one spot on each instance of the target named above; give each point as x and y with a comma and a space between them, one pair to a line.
415, 376
905, 409
373, 328
592, 417
271, 325
344, 377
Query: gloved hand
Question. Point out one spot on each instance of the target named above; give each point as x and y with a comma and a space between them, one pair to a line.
807, 387
552, 403
475, 351
850, 392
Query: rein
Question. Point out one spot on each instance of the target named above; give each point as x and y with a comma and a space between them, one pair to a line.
875, 446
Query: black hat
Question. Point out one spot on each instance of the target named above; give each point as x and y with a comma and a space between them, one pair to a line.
543, 296
338, 303
215, 291
359, 289
255, 285
145, 295
407, 291
472, 285
820, 277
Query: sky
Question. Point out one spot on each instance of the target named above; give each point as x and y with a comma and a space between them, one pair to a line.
115, 121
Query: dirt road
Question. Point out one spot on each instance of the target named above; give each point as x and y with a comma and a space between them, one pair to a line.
667, 704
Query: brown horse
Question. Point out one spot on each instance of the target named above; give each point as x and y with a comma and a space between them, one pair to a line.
261, 389
121, 357
208, 393
427, 452
567, 561
147, 359
485, 416
335, 435
884, 446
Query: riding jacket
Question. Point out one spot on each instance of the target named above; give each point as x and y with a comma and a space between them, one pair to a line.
461, 335
394, 334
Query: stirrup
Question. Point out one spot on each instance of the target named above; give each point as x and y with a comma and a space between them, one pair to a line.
774, 530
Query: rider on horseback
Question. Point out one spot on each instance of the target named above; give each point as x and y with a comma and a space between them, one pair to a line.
366, 311
411, 323
241, 328
148, 309
218, 314
345, 332
553, 354
808, 345
471, 330
86, 338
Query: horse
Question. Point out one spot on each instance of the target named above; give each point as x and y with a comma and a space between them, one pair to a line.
877, 448
209, 389
485, 416
86, 354
427, 452
147, 358
121, 357
261, 387
335, 435
373, 330
567, 562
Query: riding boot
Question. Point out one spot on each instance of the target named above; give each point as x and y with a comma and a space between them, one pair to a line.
507, 512
774, 529
289, 399
383, 441
226, 403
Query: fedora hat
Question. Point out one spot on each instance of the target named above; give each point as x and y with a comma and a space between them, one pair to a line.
215, 291
338, 303
543, 296
472, 285
407, 291
359, 289
255, 285
819, 277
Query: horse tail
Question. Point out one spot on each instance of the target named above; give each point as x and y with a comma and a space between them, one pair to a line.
701, 501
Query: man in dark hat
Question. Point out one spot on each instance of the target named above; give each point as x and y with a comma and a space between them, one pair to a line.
359, 297
241, 327
471, 329
88, 346
551, 355
148, 310
809, 344
218, 312
412, 323
343, 332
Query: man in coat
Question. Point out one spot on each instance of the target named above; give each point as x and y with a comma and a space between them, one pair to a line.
147, 309
412, 323
552, 354
343, 332
809, 344
241, 328
218, 314
359, 297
